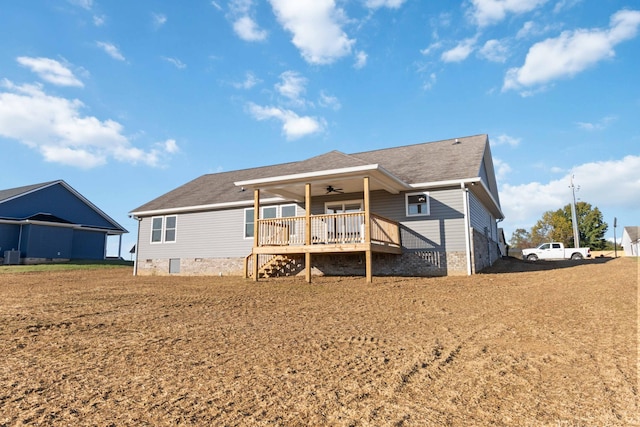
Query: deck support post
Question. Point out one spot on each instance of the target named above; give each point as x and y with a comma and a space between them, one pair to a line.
307, 231
367, 231
256, 231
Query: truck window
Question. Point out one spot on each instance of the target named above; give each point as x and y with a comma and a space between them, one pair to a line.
556, 245
545, 246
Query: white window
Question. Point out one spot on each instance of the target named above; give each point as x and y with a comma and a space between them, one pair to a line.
248, 223
164, 229
156, 229
283, 211
270, 212
417, 204
170, 228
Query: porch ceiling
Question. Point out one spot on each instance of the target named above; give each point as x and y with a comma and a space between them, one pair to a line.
346, 180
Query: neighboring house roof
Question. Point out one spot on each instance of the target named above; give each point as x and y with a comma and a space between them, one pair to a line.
633, 233
15, 193
444, 161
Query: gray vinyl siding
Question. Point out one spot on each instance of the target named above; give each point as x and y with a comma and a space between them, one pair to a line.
220, 234
211, 234
481, 218
443, 229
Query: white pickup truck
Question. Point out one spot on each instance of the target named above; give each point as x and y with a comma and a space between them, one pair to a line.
555, 250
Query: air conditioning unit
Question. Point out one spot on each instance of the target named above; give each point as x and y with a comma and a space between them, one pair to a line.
11, 257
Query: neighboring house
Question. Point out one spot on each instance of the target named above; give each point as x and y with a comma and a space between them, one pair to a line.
631, 241
417, 210
52, 222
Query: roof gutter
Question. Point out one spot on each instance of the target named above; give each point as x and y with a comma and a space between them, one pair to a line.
22, 222
199, 208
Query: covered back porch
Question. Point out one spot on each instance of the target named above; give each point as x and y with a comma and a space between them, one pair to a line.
344, 232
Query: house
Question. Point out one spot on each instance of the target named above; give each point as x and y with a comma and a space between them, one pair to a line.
631, 241
52, 222
417, 210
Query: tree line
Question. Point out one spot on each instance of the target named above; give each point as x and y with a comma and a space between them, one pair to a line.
556, 226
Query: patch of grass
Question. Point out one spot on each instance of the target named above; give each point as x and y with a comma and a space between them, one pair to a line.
71, 265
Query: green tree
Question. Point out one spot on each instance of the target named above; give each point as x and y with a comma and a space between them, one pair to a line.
520, 239
591, 226
557, 226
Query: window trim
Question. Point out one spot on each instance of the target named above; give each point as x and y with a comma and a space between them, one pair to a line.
175, 229
163, 230
406, 204
344, 203
262, 208
244, 223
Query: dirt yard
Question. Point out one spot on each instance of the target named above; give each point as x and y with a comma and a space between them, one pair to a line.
546, 344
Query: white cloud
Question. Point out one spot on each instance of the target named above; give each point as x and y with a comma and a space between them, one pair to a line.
316, 28
505, 139
293, 125
175, 61
572, 52
608, 185
99, 20
502, 169
111, 50
361, 60
58, 130
564, 5
51, 71
85, 4
216, 5
487, 12
433, 46
250, 81
391, 4
429, 82
329, 101
159, 19
494, 51
599, 125
244, 25
460, 52
247, 29
170, 146
292, 86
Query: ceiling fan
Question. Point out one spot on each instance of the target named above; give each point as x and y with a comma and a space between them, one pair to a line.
330, 189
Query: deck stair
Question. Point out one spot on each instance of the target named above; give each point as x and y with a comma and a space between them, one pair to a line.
281, 265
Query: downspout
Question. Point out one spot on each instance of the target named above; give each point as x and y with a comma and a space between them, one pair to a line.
20, 239
467, 225
120, 246
135, 259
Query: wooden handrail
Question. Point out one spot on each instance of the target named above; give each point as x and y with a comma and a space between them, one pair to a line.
336, 228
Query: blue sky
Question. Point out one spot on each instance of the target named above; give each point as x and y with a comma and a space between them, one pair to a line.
128, 100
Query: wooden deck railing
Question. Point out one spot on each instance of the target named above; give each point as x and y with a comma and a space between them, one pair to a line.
333, 229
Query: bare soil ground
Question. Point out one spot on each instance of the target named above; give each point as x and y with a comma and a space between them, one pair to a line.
545, 344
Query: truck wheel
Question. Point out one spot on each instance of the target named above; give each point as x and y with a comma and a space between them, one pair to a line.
576, 255
532, 257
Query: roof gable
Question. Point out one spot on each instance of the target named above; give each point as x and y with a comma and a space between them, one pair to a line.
55, 199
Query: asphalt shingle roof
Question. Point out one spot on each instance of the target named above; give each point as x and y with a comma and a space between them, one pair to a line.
418, 163
13, 192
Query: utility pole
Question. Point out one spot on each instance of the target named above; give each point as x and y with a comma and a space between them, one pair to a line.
615, 240
574, 216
